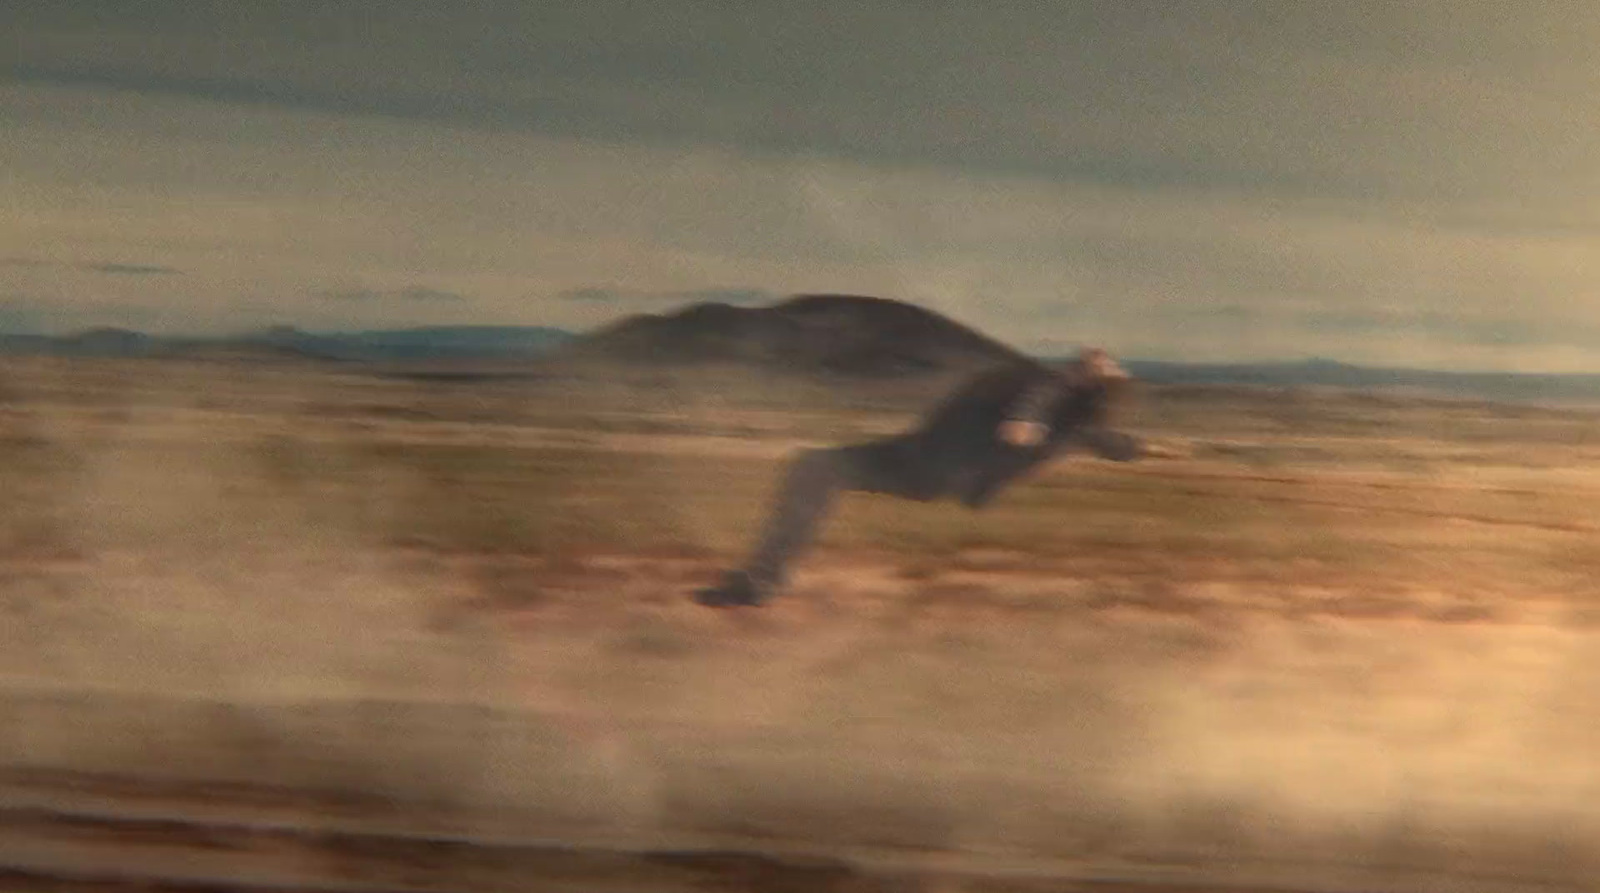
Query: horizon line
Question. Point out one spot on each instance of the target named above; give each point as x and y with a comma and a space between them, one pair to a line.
1284, 360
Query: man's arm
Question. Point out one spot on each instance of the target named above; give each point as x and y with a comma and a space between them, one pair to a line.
1024, 423
1113, 445
1120, 447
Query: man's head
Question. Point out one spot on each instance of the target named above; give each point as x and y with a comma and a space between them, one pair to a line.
1098, 366
1102, 380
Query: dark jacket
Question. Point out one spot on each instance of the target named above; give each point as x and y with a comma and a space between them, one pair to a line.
960, 441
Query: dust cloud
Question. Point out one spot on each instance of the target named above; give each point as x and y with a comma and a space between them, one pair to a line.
222, 600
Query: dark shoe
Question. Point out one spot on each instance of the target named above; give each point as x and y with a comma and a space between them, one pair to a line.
736, 589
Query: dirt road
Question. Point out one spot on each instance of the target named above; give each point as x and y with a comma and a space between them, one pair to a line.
78, 832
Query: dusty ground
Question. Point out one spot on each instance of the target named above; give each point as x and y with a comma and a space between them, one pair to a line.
1347, 628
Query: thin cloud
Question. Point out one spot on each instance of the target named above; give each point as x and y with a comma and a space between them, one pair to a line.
590, 295
414, 295
110, 268
116, 269
739, 297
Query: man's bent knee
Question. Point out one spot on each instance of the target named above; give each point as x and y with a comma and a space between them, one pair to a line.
890, 467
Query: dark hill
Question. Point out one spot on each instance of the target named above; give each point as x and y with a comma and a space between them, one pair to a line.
847, 335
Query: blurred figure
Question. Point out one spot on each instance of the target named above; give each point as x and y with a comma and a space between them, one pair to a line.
986, 434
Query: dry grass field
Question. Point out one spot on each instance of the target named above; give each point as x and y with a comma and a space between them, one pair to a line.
1344, 630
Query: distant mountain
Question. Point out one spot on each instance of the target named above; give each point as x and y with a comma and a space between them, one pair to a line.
14, 344
386, 345
91, 342
845, 335
1509, 386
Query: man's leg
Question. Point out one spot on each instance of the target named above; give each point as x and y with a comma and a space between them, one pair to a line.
981, 483
813, 481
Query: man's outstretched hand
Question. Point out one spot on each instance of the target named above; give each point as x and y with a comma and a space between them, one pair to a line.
1160, 451
1120, 447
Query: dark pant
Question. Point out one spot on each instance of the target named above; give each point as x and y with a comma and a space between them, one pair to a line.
903, 466
813, 482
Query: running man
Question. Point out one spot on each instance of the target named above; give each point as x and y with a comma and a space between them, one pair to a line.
993, 430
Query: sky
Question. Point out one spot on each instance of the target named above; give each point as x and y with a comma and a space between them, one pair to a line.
1400, 183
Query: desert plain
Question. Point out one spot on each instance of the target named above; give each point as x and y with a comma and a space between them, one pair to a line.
1342, 635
